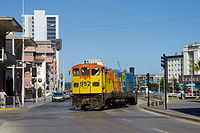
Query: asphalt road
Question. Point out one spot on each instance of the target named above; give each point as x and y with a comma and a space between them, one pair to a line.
61, 118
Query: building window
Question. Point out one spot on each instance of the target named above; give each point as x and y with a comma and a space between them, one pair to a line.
51, 18
28, 54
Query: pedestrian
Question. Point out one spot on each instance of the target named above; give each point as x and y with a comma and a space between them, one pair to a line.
182, 95
2, 98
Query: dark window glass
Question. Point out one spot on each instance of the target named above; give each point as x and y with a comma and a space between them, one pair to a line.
51, 18
75, 72
52, 22
95, 84
51, 29
95, 71
53, 33
85, 71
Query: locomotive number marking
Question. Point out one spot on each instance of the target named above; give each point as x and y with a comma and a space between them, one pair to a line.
85, 84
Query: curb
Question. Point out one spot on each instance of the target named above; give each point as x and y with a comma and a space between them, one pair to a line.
170, 114
12, 108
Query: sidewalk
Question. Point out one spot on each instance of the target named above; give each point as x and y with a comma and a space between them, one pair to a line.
184, 109
28, 103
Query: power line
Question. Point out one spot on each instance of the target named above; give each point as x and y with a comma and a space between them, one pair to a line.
133, 23
95, 28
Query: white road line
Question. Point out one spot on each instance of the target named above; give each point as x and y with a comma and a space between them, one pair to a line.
159, 130
126, 120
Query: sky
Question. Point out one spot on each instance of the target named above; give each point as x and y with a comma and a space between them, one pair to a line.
133, 32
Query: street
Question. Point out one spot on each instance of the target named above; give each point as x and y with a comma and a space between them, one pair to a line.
60, 117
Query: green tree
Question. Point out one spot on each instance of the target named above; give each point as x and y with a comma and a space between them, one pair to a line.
153, 86
39, 92
174, 85
196, 66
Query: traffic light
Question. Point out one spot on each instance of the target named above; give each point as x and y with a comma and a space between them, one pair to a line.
34, 72
147, 79
163, 61
132, 70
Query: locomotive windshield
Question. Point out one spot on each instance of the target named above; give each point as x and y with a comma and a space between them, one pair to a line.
75, 72
85, 71
95, 71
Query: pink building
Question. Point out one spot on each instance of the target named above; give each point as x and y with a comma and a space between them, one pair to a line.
46, 73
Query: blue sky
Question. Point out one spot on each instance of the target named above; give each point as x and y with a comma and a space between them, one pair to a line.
136, 32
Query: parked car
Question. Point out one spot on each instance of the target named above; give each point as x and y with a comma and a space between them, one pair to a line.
67, 95
48, 93
58, 97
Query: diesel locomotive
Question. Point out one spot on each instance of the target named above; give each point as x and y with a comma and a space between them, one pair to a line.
94, 86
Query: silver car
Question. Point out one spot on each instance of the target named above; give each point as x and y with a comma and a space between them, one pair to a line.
58, 97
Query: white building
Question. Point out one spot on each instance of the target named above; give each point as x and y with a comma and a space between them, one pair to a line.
191, 53
43, 27
174, 66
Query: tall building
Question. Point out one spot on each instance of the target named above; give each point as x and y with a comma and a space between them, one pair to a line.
42, 27
174, 66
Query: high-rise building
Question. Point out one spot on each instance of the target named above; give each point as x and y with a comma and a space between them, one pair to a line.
42, 27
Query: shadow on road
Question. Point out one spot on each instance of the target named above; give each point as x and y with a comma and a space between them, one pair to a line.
191, 111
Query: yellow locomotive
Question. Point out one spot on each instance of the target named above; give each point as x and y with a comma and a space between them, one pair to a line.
95, 86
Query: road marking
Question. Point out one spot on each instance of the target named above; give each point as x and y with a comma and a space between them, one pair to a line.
159, 130
126, 120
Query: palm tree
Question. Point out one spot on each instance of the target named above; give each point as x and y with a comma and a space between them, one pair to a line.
196, 66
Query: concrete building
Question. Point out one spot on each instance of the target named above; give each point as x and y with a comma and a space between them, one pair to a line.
7, 57
43, 27
141, 79
13, 76
191, 53
41, 57
174, 67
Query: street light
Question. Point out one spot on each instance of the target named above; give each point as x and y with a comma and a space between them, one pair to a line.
22, 54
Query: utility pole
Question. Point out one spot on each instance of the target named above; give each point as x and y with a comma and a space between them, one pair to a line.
148, 102
164, 65
45, 73
22, 93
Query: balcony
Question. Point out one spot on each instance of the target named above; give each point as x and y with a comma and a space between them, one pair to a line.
6, 58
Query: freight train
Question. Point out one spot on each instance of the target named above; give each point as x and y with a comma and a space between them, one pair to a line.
94, 86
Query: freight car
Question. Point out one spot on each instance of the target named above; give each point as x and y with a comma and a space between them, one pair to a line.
97, 87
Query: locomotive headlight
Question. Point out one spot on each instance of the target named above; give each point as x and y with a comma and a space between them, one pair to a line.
76, 84
95, 84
